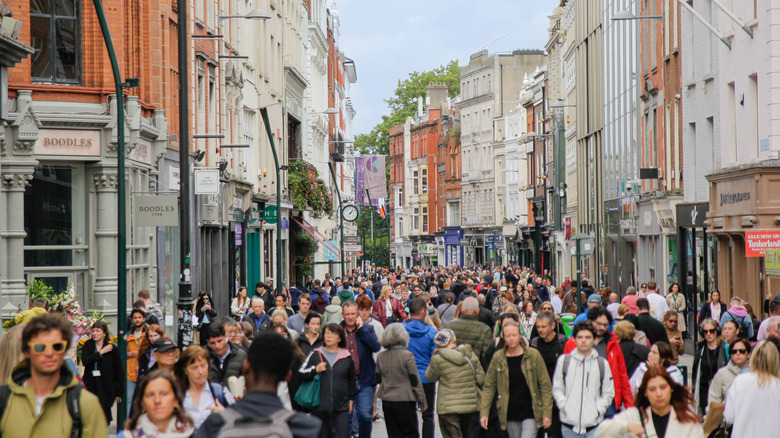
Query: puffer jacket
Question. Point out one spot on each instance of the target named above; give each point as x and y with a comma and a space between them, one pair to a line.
19, 420
617, 365
468, 330
234, 364
396, 371
458, 383
337, 382
582, 395
497, 384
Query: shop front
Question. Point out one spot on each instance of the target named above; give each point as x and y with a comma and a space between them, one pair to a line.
59, 199
743, 221
621, 243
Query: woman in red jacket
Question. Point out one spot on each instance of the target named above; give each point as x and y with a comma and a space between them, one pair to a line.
601, 319
388, 308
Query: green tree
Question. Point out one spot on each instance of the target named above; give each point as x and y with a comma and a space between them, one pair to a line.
403, 104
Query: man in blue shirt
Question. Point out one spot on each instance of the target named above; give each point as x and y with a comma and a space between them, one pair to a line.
257, 317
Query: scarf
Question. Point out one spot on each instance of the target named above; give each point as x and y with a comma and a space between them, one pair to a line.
146, 429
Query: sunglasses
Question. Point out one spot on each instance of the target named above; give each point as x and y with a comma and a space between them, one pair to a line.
709, 331
739, 351
40, 348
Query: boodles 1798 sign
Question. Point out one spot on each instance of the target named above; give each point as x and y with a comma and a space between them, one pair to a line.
156, 210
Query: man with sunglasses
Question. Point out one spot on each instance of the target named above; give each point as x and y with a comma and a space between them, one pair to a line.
35, 401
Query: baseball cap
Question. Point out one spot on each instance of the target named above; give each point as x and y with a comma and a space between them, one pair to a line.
594, 298
164, 344
444, 338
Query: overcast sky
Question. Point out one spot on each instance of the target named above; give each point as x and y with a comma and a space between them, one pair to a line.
389, 39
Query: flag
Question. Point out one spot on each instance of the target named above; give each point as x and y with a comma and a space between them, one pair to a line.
381, 208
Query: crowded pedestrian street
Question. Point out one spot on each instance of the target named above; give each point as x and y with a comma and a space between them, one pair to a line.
405, 219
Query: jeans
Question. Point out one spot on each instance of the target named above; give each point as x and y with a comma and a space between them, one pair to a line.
361, 420
429, 427
611, 411
129, 396
525, 429
568, 433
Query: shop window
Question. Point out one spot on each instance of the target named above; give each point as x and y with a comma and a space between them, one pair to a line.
52, 218
55, 34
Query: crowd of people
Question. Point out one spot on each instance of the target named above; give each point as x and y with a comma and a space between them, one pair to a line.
490, 352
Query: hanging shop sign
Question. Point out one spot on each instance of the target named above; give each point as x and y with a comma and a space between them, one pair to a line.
206, 181
270, 214
156, 210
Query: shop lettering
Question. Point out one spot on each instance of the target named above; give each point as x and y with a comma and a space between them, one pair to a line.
77, 142
734, 198
156, 210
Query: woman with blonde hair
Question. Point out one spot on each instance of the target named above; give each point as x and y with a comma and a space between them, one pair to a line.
388, 308
753, 400
280, 317
711, 358
671, 321
11, 346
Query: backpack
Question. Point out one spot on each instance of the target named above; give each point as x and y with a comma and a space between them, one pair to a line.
743, 328
239, 426
567, 360
72, 397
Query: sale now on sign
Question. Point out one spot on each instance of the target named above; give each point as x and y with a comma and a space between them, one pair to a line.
757, 242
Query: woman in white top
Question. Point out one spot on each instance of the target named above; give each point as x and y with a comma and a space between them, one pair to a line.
660, 354
753, 400
201, 397
528, 318
240, 304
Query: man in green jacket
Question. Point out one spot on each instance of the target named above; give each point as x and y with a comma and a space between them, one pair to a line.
468, 329
37, 405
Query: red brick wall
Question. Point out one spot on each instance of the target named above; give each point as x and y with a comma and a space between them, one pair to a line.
144, 36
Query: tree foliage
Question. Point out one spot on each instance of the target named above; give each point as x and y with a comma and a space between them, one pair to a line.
403, 104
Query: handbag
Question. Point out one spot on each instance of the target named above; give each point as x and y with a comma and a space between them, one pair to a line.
308, 394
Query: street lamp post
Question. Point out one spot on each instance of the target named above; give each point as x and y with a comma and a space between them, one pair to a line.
267, 123
121, 308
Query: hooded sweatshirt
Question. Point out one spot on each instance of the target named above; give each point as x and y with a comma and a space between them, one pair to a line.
421, 344
582, 395
740, 315
346, 295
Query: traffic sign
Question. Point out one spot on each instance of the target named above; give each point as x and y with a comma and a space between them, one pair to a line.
586, 244
351, 239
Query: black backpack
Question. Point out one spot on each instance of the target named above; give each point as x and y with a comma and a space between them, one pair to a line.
72, 397
743, 328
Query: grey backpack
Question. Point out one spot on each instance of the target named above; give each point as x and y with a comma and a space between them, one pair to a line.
239, 426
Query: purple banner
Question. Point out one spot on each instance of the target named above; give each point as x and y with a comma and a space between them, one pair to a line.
370, 175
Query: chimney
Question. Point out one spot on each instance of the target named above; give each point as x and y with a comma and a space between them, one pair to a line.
437, 94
